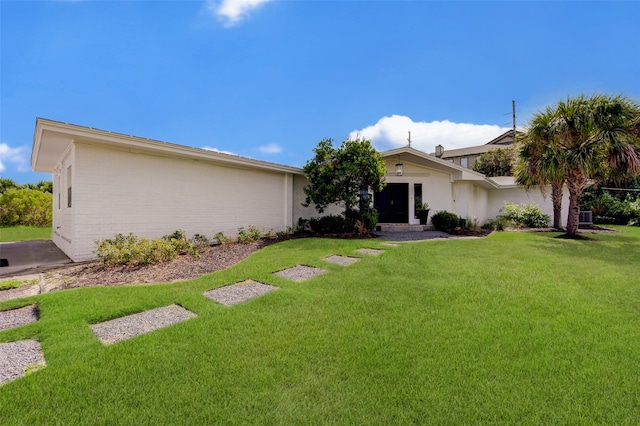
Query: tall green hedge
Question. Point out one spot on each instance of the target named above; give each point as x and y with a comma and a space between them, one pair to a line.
28, 207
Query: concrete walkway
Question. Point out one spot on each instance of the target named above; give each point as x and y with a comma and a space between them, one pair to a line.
30, 257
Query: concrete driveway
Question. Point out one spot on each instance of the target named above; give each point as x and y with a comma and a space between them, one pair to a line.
30, 257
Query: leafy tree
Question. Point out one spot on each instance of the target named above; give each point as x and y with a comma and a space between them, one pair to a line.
42, 186
584, 138
338, 175
6, 184
26, 207
497, 162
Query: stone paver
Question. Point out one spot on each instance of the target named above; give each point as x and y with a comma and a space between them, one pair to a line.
17, 317
300, 273
20, 292
341, 260
239, 292
17, 358
371, 252
129, 326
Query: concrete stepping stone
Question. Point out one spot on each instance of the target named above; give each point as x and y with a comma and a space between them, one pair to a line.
124, 328
19, 358
300, 273
390, 244
20, 292
371, 252
17, 317
341, 260
239, 292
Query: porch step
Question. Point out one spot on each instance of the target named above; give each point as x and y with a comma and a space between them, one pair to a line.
403, 227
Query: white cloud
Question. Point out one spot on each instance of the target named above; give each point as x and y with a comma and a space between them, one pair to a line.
272, 148
17, 156
232, 11
208, 148
392, 132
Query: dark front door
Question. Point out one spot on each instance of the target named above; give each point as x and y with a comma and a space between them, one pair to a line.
392, 203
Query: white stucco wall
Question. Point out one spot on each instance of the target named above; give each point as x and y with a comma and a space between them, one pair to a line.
298, 197
470, 202
437, 188
497, 198
117, 191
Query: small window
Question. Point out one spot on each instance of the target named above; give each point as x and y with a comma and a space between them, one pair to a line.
69, 187
450, 160
464, 162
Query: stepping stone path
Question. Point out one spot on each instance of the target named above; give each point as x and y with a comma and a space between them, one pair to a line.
124, 328
17, 358
373, 252
390, 244
17, 317
239, 292
300, 273
341, 260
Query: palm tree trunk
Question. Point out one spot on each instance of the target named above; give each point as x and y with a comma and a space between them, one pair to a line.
576, 183
556, 198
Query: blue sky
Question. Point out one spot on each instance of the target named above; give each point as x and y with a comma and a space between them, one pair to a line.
270, 79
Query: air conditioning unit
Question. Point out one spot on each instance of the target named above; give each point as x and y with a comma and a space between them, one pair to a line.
585, 218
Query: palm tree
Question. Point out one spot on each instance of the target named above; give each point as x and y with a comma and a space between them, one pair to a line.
583, 139
536, 165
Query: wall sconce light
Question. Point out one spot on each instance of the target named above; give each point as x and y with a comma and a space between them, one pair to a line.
439, 151
399, 169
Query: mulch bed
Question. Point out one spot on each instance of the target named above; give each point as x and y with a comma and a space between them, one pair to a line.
212, 259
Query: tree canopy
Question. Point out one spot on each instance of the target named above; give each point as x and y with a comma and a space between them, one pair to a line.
497, 162
582, 139
338, 175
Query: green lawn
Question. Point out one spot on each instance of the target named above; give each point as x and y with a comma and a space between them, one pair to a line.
515, 328
24, 233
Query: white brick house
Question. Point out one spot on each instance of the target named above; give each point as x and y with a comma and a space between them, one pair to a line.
106, 183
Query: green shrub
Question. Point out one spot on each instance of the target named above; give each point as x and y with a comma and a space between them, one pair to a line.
180, 242
445, 221
611, 209
132, 250
27, 207
498, 224
222, 239
200, 241
365, 219
249, 235
332, 224
303, 225
525, 214
287, 232
634, 222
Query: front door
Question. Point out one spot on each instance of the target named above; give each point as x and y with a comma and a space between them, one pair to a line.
392, 203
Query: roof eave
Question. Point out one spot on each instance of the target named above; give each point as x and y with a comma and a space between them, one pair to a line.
74, 133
